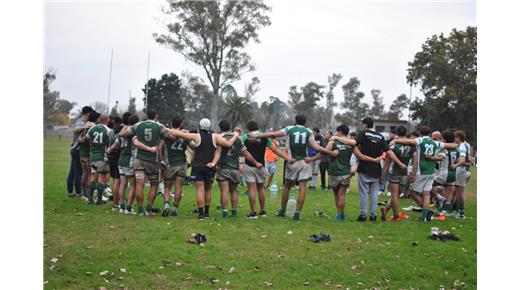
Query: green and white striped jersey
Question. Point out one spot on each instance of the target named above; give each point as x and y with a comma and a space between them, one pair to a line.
426, 146
299, 137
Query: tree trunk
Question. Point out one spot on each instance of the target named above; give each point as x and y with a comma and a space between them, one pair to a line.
214, 108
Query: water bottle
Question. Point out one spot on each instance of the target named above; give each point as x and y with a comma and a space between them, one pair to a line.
274, 189
291, 205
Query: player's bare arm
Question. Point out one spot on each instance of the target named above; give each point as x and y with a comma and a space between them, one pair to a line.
394, 158
363, 157
251, 159
344, 140
314, 145
274, 134
143, 146
219, 140
216, 157
284, 155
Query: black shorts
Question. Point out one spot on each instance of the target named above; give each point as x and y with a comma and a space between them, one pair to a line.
114, 169
202, 175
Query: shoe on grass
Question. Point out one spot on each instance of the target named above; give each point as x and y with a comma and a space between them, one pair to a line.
166, 212
281, 213
252, 215
362, 218
262, 213
373, 218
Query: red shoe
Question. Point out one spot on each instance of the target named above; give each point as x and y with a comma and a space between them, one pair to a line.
392, 219
403, 215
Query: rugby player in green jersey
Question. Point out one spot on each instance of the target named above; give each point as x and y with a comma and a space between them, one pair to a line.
126, 165
397, 173
424, 169
84, 153
463, 172
300, 170
97, 137
146, 136
173, 154
228, 169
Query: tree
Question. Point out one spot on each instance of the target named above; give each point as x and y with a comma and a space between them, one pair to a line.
56, 111
165, 96
213, 35
239, 110
131, 105
398, 106
305, 101
446, 70
100, 107
197, 99
333, 81
378, 108
355, 109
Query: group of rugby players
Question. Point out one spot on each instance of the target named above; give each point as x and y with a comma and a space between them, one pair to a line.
135, 153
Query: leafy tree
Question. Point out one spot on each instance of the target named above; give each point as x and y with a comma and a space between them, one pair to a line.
165, 96
237, 110
305, 101
378, 108
354, 108
56, 111
197, 99
446, 70
333, 81
131, 105
398, 106
213, 35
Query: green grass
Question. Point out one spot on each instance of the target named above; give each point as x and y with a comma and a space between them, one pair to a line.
87, 238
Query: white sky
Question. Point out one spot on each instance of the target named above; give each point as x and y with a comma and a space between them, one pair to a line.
307, 41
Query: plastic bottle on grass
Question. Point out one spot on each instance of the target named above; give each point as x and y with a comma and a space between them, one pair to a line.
291, 205
274, 189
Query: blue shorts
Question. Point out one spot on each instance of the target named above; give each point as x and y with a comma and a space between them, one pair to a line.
203, 175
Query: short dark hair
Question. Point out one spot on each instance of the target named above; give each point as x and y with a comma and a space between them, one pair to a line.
368, 121
461, 135
353, 134
414, 133
224, 125
93, 116
300, 119
117, 120
252, 126
424, 131
448, 136
176, 122
151, 114
394, 131
110, 123
86, 110
316, 130
125, 118
343, 129
133, 119
401, 131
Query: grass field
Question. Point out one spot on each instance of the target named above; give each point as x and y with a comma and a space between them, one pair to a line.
87, 240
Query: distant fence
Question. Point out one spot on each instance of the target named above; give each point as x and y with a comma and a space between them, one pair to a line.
63, 132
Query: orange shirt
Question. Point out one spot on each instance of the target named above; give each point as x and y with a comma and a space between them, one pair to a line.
270, 156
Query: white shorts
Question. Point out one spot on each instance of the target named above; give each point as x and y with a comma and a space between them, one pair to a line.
462, 178
422, 183
298, 171
254, 174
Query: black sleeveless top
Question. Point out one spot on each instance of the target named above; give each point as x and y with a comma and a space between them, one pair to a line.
205, 152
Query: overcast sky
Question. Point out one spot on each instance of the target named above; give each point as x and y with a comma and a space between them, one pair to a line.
307, 41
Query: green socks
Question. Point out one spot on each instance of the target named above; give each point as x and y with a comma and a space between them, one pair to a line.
91, 189
100, 189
